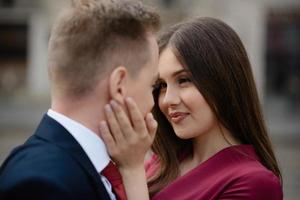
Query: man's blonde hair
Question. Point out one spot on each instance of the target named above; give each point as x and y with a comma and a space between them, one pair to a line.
93, 36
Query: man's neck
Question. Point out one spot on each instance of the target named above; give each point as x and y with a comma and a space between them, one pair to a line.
84, 113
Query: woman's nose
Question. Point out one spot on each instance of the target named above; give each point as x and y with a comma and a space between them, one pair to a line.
171, 97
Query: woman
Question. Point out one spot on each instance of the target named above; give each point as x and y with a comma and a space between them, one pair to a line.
211, 141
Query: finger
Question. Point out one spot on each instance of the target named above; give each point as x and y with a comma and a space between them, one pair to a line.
123, 120
107, 137
135, 116
113, 124
151, 125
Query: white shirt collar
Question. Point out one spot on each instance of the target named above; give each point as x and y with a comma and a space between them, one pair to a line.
92, 144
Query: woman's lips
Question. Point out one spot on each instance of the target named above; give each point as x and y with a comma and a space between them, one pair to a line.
177, 117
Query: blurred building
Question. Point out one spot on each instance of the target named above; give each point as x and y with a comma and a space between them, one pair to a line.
24, 32
268, 28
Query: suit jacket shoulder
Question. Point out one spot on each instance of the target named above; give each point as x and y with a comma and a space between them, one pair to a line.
50, 165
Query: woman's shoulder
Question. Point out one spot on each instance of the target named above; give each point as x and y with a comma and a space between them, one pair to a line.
255, 184
260, 178
248, 178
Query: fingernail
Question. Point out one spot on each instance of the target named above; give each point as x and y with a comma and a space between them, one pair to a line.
128, 99
151, 115
113, 103
154, 123
107, 108
102, 124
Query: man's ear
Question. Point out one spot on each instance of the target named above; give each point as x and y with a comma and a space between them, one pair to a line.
117, 84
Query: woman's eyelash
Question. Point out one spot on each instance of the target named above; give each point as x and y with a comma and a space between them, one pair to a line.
183, 80
155, 86
158, 85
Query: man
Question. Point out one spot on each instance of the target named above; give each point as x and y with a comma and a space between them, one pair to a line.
98, 51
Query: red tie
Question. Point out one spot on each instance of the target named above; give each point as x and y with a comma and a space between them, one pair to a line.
113, 175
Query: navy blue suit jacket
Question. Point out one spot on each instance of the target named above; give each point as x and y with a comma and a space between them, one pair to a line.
50, 165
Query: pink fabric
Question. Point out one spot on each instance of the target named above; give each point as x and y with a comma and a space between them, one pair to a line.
234, 173
152, 166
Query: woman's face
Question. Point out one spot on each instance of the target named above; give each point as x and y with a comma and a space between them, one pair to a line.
180, 100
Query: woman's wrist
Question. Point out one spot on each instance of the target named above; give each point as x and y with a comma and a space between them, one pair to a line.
132, 170
135, 182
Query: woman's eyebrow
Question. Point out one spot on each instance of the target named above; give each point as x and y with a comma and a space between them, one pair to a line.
175, 73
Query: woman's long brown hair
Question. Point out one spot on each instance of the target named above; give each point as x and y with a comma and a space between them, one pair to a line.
217, 60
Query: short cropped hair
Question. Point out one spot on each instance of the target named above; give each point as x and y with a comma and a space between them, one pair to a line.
93, 36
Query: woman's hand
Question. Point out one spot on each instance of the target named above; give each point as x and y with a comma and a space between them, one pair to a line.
127, 139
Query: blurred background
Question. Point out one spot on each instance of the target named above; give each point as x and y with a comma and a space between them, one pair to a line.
270, 30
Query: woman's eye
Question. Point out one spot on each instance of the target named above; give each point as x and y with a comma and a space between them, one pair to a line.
159, 86
162, 85
184, 80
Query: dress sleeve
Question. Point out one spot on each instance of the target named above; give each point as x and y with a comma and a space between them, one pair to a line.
255, 186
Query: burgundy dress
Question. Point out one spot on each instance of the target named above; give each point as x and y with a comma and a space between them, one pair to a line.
233, 173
